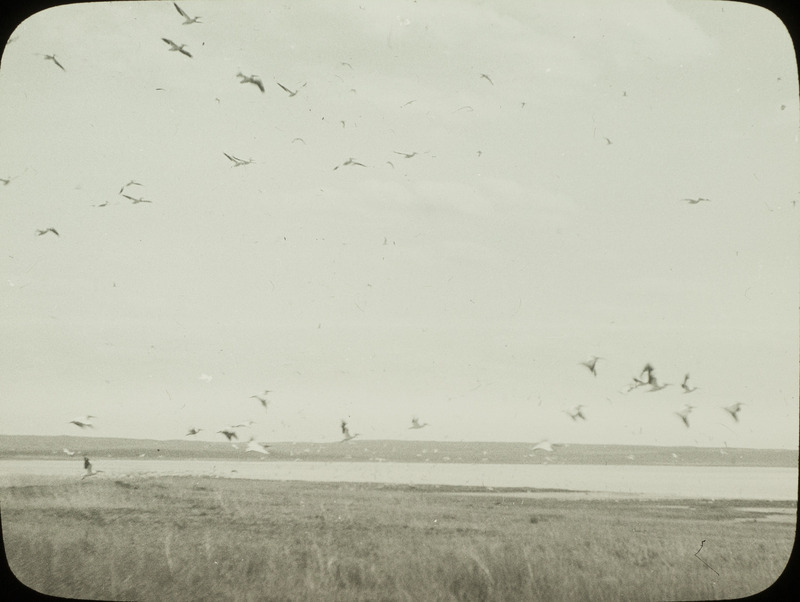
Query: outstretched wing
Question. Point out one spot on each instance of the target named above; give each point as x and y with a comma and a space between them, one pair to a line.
180, 12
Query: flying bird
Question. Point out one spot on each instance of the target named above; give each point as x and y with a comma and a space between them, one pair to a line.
654, 386
487, 78
68, 452
229, 434
135, 200
83, 422
262, 398
175, 47
684, 414
90, 472
5, 181
543, 446
287, 90
52, 57
685, 386
251, 79
590, 364
192, 431
350, 161
43, 232
734, 410
346, 432
696, 201
255, 446
576, 413
188, 20
131, 183
415, 424
406, 155
237, 162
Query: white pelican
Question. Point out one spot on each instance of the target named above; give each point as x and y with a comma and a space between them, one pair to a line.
734, 410
255, 446
252, 79
68, 452
229, 434
577, 413
287, 90
43, 232
175, 47
131, 183
192, 431
350, 161
135, 201
415, 424
83, 422
90, 472
697, 200
406, 155
262, 398
346, 432
684, 414
543, 445
237, 161
591, 363
52, 57
188, 20
684, 385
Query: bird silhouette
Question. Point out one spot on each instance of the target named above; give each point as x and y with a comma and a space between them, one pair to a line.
52, 57
346, 432
229, 434
591, 364
287, 90
487, 78
415, 424
696, 201
192, 431
406, 155
262, 398
188, 20
576, 413
43, 232
350, 161
90, 472
734, 410
83, 422
131, 183
135, 200
174, 47
684, 414
655, 386
685, 386
251, 79
237, 162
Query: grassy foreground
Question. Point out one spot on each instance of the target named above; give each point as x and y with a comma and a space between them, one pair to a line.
182, 538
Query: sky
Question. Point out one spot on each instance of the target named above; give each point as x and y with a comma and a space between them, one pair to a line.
539, 220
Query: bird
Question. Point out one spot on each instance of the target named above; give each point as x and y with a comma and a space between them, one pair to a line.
135, 200
577, 413
237, 162
188, 20
287, 90
52, 57
686, 388
68, 452
174, 47
654, 386
684, 414
734, 410
131, 183
635, 385
346, 432
696, 201
83, 422
543, 445
487, 78
350, 161
415, 424
5, 181
192, 431
245, 425
648, 369
229, 434
591, 364
90, 472
608, 140
255, 446
43, 232
251, 79
406, 155
262, 398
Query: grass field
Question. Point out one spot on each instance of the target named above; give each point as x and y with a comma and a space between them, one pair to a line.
182, 538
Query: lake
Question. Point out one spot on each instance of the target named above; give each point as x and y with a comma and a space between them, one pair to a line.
705, 482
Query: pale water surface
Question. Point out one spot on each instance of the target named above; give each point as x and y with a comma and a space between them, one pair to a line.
705, 482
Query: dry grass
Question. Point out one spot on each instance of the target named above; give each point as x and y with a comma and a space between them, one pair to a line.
223, 539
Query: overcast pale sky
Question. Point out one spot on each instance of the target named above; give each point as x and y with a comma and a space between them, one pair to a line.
541, 221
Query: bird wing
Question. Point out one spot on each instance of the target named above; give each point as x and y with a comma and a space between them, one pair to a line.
171, 43
284, 87
182, 14
186, 52
258, 83
57, 63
